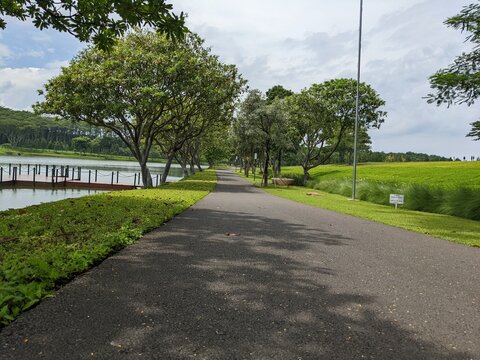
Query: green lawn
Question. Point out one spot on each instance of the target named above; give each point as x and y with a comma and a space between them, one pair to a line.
438, 174
46, 245
455, 229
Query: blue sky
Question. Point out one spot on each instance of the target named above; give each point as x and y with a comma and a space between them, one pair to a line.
296, 44
29, 47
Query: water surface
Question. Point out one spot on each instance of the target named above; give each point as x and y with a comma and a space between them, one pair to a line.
20, 198
106, 171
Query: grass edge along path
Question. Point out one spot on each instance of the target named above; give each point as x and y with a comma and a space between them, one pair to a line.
44, 246
454, 229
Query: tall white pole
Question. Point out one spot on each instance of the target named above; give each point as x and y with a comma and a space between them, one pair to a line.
357, 105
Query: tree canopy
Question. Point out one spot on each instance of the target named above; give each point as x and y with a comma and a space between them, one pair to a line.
145, 85
459, 83
277, 92
101, 21
320, 116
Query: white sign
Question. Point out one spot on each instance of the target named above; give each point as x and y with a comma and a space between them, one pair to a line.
397, 199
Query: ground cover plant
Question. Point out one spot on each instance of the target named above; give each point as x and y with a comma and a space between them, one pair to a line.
44, 246
449, 188
455, 229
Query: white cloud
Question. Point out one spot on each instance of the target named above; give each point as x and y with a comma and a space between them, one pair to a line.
299, 43
18, 86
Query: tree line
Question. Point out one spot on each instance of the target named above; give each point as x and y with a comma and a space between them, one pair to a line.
311, 126
150, 91
24, 129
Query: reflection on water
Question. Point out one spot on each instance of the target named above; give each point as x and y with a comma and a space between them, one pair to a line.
102, 171
19, 198
112, 165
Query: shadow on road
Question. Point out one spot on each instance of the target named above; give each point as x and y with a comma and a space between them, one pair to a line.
226, 285
199, 293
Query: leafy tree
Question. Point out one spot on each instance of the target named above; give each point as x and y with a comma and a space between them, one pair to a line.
129, 90
214, 147
81, 143
100, 21
459, 83
245, 136
270, 120
345, 148
259, 125
475, 132
277, 92
206, 97
321, 115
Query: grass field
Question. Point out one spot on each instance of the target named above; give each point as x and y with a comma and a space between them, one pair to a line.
441, 174
449, 188
455, 229
44, 246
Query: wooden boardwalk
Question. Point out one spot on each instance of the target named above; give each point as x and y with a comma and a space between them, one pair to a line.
38, 176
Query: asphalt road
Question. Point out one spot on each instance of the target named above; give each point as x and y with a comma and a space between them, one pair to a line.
243, 275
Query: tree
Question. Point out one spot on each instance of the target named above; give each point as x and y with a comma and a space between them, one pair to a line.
475, 132
270, 121
278, 93
129, 90
81, 143
245, 143
345, 148
320, 116
215, 147
207, 96
258, 125
100, 21
459, 83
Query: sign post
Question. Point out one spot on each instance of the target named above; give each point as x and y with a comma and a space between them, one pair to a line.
397, 199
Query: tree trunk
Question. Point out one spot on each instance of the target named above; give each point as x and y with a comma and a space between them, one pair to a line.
279, 164
192, 167
247, 168
185, 170
183, 163
146, 176
306, 175
265, 168
166, 170
199, 167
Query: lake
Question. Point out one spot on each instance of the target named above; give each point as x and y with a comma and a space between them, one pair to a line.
126, 171
19, 198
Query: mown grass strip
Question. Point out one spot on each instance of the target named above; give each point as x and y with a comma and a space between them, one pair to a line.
446, 227
44, 246
447, 174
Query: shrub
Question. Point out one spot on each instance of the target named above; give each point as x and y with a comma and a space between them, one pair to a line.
461, 201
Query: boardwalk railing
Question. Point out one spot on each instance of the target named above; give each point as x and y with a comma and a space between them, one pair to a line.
54, 175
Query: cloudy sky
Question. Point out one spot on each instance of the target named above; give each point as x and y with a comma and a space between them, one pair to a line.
295, 44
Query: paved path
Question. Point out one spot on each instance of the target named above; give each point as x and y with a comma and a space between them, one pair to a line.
296, 283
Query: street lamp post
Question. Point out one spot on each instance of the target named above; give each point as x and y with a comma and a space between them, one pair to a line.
357, 103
